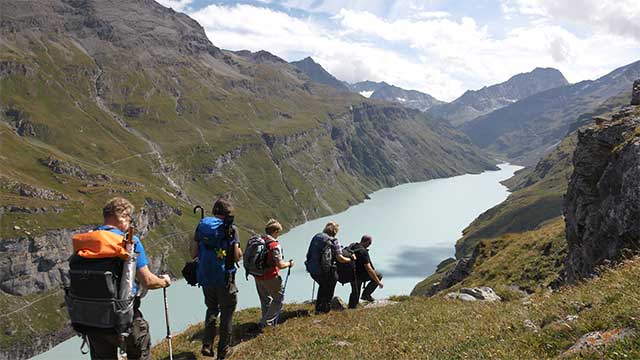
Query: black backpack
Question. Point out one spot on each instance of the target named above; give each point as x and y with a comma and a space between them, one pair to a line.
346, 272
327, 261
93, 298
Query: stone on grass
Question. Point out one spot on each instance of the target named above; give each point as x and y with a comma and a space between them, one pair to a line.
379, 303
460, 296
484, 293
531, 326
338, 304
592, 341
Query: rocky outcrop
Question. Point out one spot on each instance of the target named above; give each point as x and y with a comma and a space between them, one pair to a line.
36, 264
602, 205
30, 191
36, 344
460, 270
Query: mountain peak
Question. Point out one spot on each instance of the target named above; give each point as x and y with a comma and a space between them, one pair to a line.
318, 74
475, 103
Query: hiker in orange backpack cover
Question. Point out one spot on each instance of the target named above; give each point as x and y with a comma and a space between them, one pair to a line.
117, 214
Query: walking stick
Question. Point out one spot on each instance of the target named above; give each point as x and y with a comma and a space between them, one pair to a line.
284, 289
166, 315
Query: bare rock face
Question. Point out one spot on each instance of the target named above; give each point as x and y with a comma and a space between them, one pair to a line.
35, 264
635, 94
602, 204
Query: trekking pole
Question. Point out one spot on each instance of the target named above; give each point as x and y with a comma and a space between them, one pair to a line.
284, 289
166, 316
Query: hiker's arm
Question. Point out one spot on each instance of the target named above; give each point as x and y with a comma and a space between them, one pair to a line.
285, 264
237, 251
194, 248
373, 275
150, 280
343, 259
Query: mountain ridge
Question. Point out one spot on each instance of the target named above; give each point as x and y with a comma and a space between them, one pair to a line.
524, 130
475, 103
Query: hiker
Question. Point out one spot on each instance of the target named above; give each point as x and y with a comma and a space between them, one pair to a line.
324, 250
364, 272
269, 285
217, 246
117, 219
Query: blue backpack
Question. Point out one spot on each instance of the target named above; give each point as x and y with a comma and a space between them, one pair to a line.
320, 259
213, 246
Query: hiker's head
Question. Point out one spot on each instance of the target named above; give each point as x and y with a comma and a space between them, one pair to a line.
117, 212
366, 240
222, 208
273, 228
331, 228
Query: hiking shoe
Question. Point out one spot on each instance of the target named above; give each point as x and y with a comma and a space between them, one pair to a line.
207, 351
226, 353
367, 298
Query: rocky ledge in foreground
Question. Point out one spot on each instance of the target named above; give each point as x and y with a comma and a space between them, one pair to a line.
602, 205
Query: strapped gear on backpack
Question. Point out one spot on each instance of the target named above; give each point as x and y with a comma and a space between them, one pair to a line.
213, 237
255, 257
100, 298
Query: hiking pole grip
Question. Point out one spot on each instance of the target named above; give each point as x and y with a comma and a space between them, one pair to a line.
195, 210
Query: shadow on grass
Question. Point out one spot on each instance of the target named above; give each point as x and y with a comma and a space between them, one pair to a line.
249, 330
185, 355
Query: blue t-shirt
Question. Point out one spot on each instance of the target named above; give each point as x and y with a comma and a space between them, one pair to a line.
141, 261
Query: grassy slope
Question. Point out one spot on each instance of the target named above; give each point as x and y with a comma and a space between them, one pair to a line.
434, 328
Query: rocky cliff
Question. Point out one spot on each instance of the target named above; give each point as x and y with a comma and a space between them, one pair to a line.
602, 208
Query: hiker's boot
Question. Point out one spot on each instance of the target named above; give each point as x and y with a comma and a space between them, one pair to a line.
207, 350
367, 297
225, 353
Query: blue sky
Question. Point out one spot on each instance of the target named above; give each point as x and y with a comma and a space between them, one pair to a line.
441, 47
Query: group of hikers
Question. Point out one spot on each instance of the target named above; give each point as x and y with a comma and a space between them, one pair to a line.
109, 273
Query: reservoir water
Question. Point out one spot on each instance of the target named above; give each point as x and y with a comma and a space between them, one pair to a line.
414, 226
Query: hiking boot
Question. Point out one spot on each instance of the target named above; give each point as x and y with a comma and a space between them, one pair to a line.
367, 298
207, 351
226, 353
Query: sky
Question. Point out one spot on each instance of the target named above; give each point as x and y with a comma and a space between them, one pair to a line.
441, 47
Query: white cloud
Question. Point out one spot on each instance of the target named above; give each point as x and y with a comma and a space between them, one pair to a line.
620, 17
177, 5
437, 53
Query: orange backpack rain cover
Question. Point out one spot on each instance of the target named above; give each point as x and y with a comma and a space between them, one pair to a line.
99, 244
